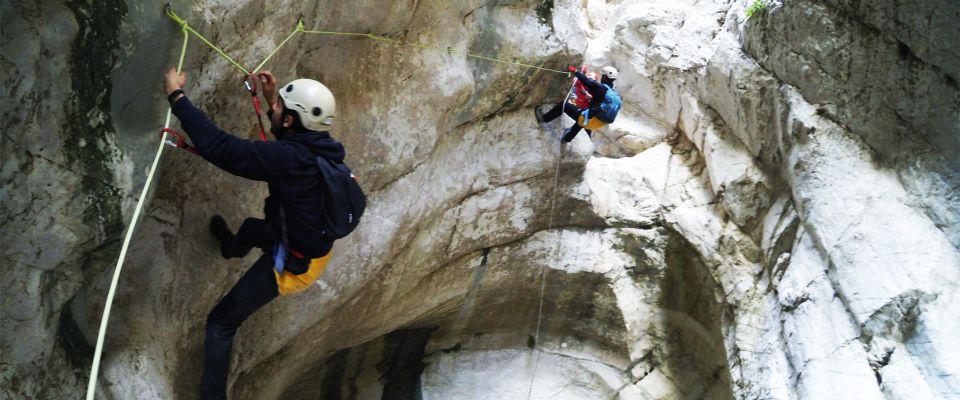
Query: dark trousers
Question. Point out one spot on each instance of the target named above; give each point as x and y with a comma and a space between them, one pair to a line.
573, 112
254, 232
256, 288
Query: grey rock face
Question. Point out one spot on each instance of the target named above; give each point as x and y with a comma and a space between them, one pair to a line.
773, 214
880, 61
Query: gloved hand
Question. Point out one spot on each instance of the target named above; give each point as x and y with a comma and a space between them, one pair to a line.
583, 70
572, 69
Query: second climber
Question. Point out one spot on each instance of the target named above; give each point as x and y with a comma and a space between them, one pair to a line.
602, 109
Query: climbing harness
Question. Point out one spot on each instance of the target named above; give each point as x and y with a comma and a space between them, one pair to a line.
556, 253
176, 140
252, 88
171, 138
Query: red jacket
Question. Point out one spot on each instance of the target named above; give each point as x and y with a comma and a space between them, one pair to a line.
583, 97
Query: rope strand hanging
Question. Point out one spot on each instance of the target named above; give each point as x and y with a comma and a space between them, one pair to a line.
556, 252
108, 305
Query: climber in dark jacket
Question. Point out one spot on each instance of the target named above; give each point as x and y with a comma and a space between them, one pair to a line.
298, 119
596, 89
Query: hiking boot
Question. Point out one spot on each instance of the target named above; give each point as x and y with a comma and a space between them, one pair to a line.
538, 114
219, 229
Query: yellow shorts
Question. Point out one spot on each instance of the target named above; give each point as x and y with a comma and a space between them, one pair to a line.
592, 123
288, 283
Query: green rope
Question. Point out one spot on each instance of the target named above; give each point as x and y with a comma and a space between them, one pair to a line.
186, 27
434, 47
298, 29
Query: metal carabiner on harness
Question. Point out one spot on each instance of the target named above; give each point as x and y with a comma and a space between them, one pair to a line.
252, 88
176, 141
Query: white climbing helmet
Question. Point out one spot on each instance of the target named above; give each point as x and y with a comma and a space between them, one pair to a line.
610, 72
312, 101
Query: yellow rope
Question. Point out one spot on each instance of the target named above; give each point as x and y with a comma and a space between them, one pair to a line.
186, 27
299, 28
108, 305
434, 47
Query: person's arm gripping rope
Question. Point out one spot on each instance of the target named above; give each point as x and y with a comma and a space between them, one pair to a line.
596, 89
268, 86
256, 160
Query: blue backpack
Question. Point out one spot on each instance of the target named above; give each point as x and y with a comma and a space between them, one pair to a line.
610, 106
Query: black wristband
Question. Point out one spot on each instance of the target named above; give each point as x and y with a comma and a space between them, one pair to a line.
174, 94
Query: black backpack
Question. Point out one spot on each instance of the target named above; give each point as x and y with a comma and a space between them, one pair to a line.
342, 205
343, 200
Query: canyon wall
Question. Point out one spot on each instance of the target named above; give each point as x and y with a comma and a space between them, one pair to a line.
774, 213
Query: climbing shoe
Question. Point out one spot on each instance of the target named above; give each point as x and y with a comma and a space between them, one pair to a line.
538, 114
219, 229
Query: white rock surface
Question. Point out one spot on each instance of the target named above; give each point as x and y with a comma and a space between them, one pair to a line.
773, 215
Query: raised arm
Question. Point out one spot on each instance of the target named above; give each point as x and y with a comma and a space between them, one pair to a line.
252, 160
595, 88
268, 87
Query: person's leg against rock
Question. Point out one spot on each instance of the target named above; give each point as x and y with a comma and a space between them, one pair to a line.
571, 133
554, 112
252, 233
571, 110
256, 288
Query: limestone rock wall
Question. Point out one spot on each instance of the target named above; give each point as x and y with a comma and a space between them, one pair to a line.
773, 215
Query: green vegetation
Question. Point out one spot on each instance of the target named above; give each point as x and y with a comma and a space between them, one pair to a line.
758, 7
88, 126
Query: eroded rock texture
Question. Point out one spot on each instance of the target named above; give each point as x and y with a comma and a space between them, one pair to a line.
773, 215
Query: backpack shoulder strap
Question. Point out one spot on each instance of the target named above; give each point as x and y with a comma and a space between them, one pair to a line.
283, 216
283, 232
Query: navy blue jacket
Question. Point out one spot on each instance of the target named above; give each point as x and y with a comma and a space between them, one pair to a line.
288, 166
596, 89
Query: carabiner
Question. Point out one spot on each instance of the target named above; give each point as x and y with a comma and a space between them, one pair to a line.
177, 141
252, 88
